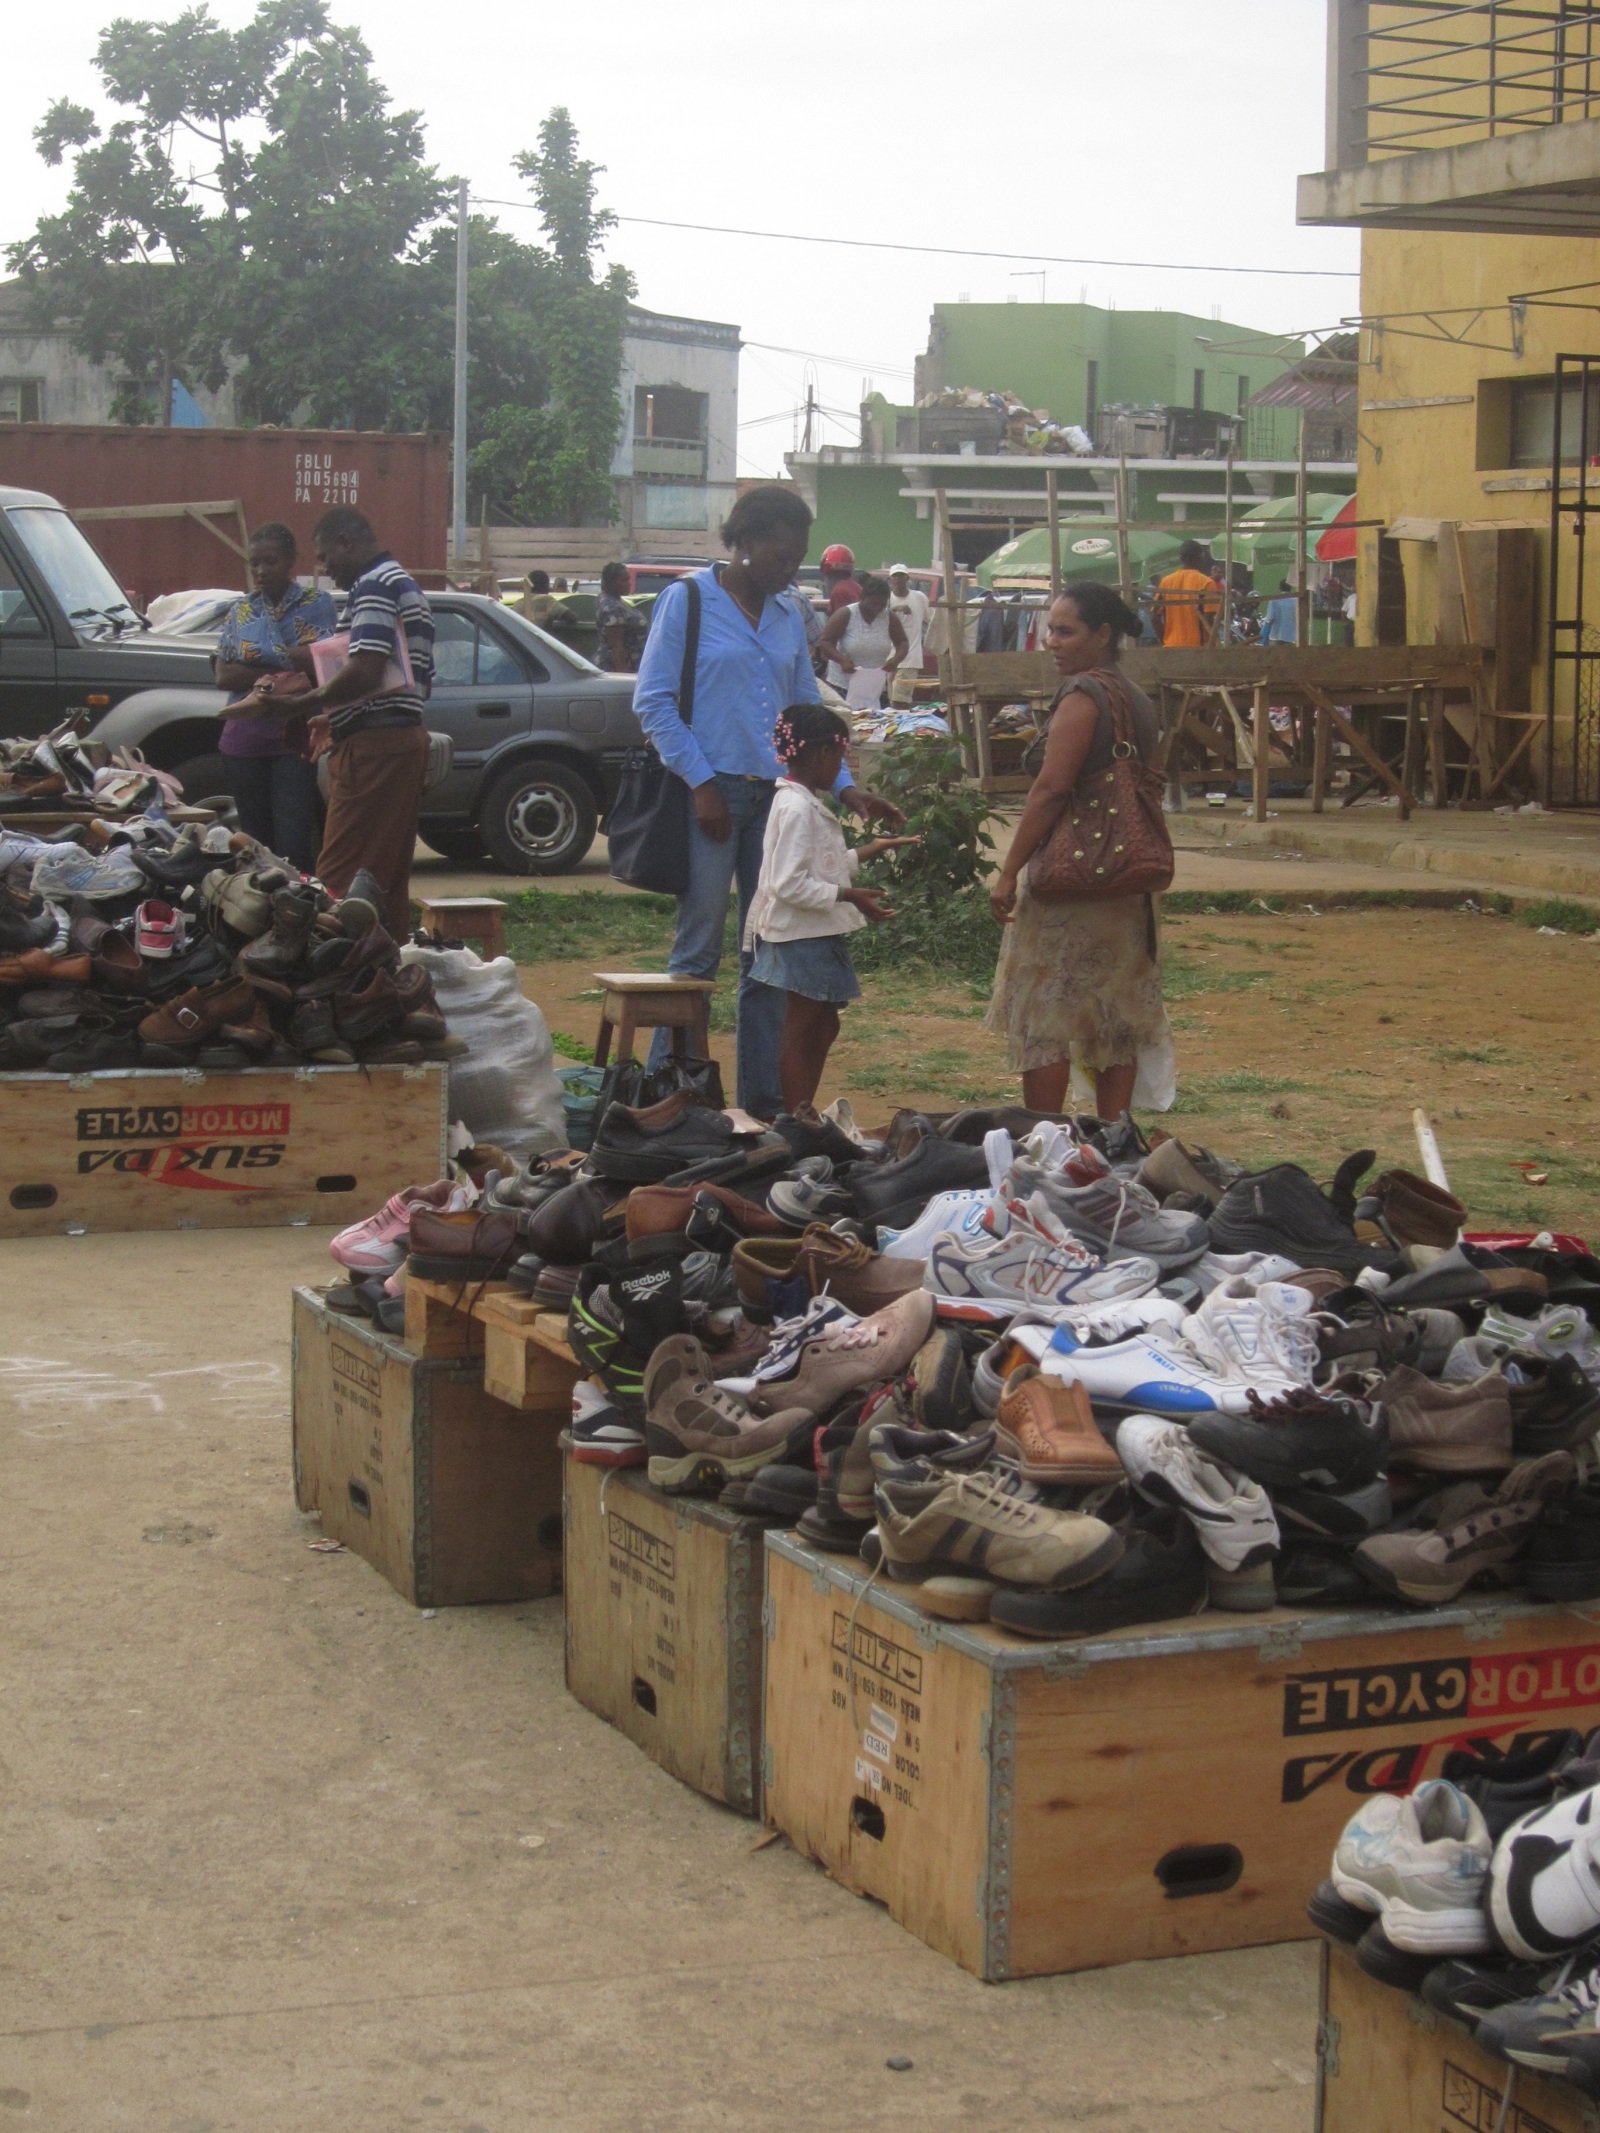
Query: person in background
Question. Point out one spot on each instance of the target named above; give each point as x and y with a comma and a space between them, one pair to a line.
1281, 623
911, 608
839, 577
621, 629
538, 601
368, 716
1187, 601
263, 658
1079, 982
561, 586
806, 900
991, 623
864, 638
752, 661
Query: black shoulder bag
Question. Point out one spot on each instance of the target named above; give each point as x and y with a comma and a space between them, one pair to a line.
650, 821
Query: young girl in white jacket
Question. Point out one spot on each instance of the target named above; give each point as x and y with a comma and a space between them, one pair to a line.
806, 900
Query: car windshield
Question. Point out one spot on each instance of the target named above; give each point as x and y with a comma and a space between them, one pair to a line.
75, 573
563, 652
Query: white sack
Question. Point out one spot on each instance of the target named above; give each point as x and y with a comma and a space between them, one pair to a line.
505, 1090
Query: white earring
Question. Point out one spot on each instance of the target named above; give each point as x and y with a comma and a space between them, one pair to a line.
745, 560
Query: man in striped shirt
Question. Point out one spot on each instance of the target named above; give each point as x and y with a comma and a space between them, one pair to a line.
367, 718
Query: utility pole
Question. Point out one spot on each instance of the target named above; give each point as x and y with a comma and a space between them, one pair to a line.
458, 443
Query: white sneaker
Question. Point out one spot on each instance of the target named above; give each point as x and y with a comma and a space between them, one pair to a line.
1470, 1359
1544, 1888
1559, 1329
1264, 1336
1103, 1322
1231, 1514
788, 1338
1423, 1862
962, 1212
1157, 1373
1048, 1146
989, 1280
1035, 1217
1213, 1268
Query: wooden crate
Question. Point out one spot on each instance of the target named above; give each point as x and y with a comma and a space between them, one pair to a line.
454, 1496
526, 1359
1387, 2062
186, 1149
663, 1599
1034, 1807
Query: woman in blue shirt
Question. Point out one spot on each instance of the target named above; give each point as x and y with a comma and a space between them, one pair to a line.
753, 662
264, 658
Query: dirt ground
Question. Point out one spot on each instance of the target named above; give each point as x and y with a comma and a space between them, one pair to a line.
281, 1854
1300, 1037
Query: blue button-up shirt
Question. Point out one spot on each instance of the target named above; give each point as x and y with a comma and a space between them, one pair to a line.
744, 678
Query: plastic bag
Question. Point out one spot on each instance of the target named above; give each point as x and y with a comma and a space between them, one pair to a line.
505, 1090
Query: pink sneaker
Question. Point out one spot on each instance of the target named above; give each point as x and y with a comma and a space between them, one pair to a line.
378, 1245
160, 930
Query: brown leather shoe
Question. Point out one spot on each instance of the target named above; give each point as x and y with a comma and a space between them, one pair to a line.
34, 966
371, 1005
199, 1013
1048, 1428
1413, 1211
470, 1246
1447, 1429
863, 1280
757, 1262
664, 1210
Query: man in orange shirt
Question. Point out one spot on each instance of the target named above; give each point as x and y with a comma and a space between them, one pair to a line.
1188, 600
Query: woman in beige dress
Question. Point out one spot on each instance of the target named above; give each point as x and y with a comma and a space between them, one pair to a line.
1079, 983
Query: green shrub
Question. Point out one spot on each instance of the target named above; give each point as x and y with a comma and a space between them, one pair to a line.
939, 888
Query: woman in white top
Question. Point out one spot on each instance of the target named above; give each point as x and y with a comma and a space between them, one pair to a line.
806, 900
865, 645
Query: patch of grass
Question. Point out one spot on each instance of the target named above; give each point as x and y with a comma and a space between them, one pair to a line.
570, 1047
1475, 1055
1244, 1081
1214, 903
1565, 917
542, 927
1183, 978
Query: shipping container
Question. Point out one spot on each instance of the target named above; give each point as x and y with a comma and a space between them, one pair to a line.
401, 482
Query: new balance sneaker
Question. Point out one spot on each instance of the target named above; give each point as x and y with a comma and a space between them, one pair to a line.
1556, 2032
1230, 1513
1266, 1336
1303, 1440
962, 1213
990, 1281
1544, 1885
1113, 1215
1422, 1861
601, 1434
940, 1512
1476, 1533
699, 1437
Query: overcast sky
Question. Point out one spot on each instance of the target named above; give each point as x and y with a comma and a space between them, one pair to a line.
1152, 130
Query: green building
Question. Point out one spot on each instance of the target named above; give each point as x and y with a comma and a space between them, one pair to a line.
1168, 389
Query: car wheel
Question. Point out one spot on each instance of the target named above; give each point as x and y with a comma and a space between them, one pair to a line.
463, 846
538, 818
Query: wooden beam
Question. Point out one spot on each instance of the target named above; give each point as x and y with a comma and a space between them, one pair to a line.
955, 621
1535, 725
1340, 669
1124, 569
1369, 755
1438, 769
210, 526
1302, 583
1052, 505
1319, 757
225, 509
1261, 739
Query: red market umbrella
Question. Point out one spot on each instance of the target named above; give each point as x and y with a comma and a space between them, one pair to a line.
1338, 543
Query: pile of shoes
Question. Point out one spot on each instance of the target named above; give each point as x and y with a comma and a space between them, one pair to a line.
1481, 1891
139, 945
1047, 1372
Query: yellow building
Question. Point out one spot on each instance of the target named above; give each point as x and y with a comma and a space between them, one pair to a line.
1464, 143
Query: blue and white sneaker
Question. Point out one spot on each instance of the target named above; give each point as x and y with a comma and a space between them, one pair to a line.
789, 1336
963, 1213
1423, 1862
1153, 1373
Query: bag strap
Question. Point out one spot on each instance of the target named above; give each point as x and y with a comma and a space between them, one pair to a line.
691, 652
1108, 691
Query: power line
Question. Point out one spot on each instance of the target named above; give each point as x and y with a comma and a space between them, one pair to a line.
959, 251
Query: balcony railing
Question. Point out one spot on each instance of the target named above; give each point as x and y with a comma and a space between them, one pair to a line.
1426, 74
668, 455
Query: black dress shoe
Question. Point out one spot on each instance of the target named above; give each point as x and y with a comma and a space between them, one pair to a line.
894, 1194
1161, 1575
630, 1148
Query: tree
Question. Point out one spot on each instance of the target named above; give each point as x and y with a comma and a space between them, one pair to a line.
550, 461
282, 254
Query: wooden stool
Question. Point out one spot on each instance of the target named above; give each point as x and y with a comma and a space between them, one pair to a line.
648, 999
467, 918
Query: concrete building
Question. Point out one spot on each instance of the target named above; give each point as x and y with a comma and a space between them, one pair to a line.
676, 455
43, 378
1077, 362
1465, 146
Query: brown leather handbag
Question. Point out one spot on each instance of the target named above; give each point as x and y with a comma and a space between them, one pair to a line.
1111, 837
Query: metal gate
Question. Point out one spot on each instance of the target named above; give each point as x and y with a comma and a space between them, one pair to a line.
1572, 730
